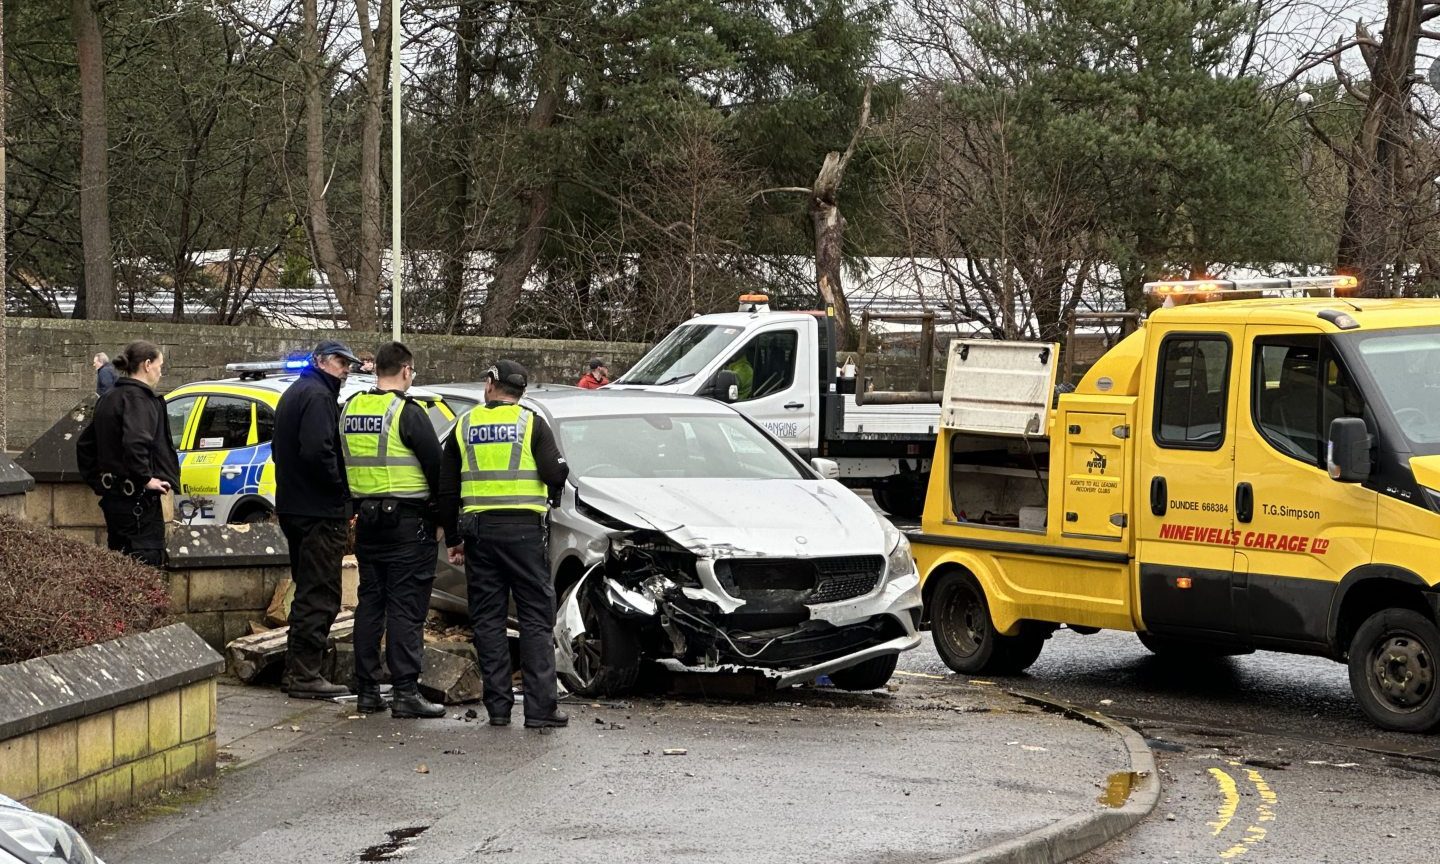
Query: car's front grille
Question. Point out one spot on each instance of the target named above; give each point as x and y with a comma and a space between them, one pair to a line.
847, 577
824, 580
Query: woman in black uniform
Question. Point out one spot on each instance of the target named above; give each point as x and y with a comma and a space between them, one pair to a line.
127, 456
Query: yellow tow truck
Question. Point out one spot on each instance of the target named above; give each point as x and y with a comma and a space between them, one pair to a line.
1259, 473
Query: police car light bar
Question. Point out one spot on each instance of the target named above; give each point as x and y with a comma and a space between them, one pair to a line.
1328, 286
256, 369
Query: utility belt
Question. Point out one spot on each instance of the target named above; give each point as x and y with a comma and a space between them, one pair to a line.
388, 513
113, 485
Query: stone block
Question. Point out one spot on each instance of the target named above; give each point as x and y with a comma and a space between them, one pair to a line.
13, 505
77, 802
113, 791
95, 743
76, 507
182, 766
221, 590
132, 731
46, 803
39, 505
88, 536
164, 721
179, 584
450, 678
197, 710
20, 766
59, 756
209, 626
237, 624
147, 777
205, 750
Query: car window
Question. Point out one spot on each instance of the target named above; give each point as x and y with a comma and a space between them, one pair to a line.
224, 423
264, 422
681, 355
766, 365
179, 411
1192, 391
1300, 386
656, 446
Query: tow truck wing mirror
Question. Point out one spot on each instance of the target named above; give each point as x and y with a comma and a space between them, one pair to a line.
1347, 453
828, 469
725, 387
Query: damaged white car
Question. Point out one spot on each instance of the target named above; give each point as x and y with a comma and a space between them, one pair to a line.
689, 537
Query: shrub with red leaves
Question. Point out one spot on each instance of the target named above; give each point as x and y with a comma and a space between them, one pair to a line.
57, 594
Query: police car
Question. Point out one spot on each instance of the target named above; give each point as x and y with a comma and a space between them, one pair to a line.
223, 428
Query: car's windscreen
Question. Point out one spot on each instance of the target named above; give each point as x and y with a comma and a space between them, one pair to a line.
682, 355
660, 446
1406, 369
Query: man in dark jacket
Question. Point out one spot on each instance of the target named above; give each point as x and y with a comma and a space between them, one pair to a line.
312, 502
105, 376
128, 457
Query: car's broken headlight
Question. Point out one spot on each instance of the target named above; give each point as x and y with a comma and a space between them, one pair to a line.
898, 561
40, 837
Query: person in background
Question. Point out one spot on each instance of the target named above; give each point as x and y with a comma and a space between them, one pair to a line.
128, 457
392, 463
500, 470
597, 376
312, 501
104, 374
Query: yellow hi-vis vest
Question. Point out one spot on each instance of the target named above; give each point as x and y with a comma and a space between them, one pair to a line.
377, 462
498, 470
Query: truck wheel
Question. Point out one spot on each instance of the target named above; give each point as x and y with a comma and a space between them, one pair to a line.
1392, 670
1184, 649
965, 636
902, 495
607, 657
869, 675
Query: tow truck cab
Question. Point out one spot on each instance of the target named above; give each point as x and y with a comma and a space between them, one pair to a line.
1256, 474
784, 371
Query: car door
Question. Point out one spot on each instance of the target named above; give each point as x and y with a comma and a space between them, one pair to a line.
1186, 538
227, 456
1300, 531
777, 384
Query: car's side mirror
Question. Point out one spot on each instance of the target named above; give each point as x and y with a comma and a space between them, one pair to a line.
1347, 453
725, 387
828, 469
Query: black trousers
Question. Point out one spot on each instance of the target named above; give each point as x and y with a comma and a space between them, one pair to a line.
396, 551
135, 526
501, 561
316, 548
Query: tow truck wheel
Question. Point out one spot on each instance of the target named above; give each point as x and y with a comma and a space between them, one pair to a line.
607, 656
869, 675
965, 636
1393, 671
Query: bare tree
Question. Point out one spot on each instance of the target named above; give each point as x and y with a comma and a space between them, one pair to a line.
98, 287
375, 44
4, 379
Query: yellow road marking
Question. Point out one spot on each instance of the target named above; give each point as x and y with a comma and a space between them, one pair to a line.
1265, 810
1228, 806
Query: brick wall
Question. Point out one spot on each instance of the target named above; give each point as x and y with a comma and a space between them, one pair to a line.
85, 769
47, 365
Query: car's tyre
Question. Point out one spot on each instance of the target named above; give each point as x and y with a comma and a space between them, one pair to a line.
869, 675
607, 656
1393, 671
254, 515
1172, 648
902, 495
965, 636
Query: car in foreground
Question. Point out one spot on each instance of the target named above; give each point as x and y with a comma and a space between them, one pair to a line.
30, 837
690, 537
222, 430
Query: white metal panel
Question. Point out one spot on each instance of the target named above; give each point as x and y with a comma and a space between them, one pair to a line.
999, 388
890, 419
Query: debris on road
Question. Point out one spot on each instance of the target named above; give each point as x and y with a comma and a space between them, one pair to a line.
422, 768
448, 678
675, 751
250, 656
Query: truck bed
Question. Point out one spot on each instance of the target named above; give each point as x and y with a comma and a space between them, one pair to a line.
890, 419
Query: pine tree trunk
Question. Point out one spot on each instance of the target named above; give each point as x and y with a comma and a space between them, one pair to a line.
99, 273
4, 372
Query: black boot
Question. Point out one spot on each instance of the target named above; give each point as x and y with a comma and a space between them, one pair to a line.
407, 702
316, 688
557, 720
371, 700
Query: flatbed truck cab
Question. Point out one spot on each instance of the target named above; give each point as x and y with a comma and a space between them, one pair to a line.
1240, 475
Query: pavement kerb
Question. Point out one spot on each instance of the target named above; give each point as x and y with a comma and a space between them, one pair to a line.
1076, 835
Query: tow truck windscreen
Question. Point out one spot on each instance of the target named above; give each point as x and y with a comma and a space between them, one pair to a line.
1406, 369
681, 356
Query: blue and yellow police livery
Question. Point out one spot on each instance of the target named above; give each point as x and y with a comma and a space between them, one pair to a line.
223, 428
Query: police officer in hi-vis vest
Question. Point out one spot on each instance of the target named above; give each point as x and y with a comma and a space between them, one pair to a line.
392, 461
501, 469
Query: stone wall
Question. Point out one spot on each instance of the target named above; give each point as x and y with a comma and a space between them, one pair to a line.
95, 730
48, 359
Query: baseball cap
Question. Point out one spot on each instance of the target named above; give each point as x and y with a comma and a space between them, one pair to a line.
596, 362
509, 372
339, 349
